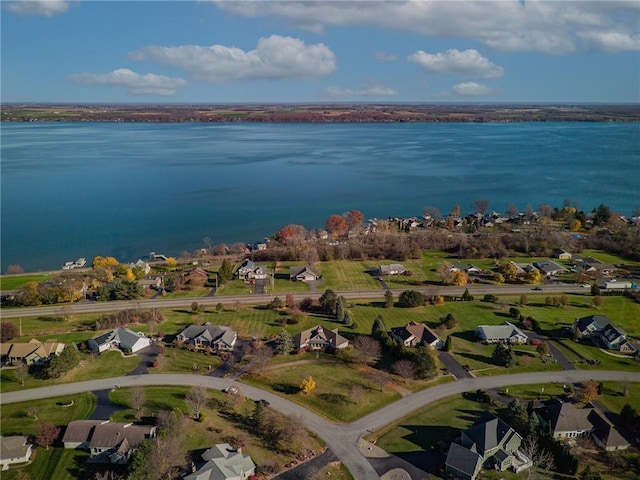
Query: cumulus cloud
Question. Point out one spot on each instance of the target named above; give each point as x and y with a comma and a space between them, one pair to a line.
369, 90
551, 27
611, 41
469, 63
136, 84
275, 57
470, 89
385, 57
45, 8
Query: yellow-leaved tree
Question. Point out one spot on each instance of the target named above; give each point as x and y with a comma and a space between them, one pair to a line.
171, 262
307, 385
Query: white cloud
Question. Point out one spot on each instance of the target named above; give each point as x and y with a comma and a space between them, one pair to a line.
136, 84
369, 90
469, 63
45, 8
470, 89
385, 57
275, 57
552, 27
611, 41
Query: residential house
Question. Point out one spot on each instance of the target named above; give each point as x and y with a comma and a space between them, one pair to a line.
154, 282
465, 267
505, 333
222, 462
249, 271
414, 334
600, 328
522, 268
34, 352
320, 338
566, 421
490, 442
14, 449
122, 338
218, 337
593, 265
561, 254
79, 263
196, 276
392, 269
107, 442
550, 268
141, 264
303, 274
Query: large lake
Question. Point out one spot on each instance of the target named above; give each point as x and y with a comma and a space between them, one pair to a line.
83, 189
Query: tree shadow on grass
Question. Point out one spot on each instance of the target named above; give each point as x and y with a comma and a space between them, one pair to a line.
478, 358
334, 398
286, 388
428, 437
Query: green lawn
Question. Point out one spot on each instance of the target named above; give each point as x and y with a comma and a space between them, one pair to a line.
180, 360
13, 282
348, 275
332, 397
108, 364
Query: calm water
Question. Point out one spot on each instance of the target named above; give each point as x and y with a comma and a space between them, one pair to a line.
78, 190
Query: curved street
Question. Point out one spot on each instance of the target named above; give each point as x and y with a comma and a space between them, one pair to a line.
343, 439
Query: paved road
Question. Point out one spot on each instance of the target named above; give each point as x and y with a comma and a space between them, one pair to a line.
343, 439
97, 307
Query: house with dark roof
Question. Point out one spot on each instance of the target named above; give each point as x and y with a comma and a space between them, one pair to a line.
566, 421
550, 268
600, 328
14, 449
414, 334
465, 267
122, 338
561, 254
222, 462
320, 338
303, 274
505, 333
218, 337
107, 442
489, 442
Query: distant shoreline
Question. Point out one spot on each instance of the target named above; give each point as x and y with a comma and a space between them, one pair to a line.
320, 113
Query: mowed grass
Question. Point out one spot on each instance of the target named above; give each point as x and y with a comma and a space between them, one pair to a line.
349, 275
332, 396
180, 360
108, 364
13, 282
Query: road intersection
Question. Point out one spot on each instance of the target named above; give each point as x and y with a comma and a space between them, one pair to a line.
342, 439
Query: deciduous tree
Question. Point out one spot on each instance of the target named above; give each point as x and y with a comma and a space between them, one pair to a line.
307, 385
197, 399
8, 331
136, 400
336, 226
354, 219
588, 391
367, 349
404, 368
46, 434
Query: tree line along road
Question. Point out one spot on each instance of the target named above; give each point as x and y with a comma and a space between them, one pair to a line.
252, 299
342, 439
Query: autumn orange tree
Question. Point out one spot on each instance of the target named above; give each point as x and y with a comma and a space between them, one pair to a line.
336, 225
354, 219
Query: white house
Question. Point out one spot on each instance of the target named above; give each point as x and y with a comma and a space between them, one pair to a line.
303, 274
14, 449
224, 463
392, 269
122, 338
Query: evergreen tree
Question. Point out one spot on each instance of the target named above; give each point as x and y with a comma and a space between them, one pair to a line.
425, 363
448, 344
341, 309
503, 355
61, 364
226, 271
328, 302
379, 329
388, 299
348, 319
284, 342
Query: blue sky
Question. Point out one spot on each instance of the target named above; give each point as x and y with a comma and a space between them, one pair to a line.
320, 51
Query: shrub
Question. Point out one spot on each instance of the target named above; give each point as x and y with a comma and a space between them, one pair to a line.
410, 299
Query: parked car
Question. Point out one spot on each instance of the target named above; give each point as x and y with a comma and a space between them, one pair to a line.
231, 390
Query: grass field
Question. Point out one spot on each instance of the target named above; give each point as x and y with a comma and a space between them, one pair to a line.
179, 360
13, 282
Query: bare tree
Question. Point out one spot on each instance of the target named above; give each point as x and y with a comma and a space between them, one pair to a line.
137, 399
21, 373
367, 349
355, 392
380, 378
197, 399
481, 205
32, 412
404, 368
542, 460
259, 359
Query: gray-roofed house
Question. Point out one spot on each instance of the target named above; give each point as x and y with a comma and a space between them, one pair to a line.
14, 449
219, 337
550, 268
561, 254
601, 329
465, 267
506, 333
122, 338
490, 442
320, 338
107, 442
34, 352
224, 463
303, 274
392, 269
567, 421
413, 334
248, 271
